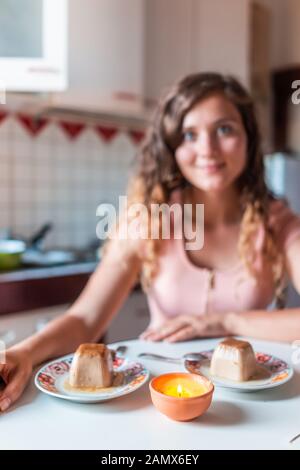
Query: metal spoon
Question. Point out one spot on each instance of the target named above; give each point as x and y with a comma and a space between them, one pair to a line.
175, 360
121, 350
194, 367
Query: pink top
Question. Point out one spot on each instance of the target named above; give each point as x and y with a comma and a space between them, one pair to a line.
182, 288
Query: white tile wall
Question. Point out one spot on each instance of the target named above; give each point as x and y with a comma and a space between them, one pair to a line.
51, 177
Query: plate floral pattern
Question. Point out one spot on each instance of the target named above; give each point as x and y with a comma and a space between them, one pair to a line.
52, 377
277, 372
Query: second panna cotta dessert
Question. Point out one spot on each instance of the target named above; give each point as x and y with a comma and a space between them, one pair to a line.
233, 359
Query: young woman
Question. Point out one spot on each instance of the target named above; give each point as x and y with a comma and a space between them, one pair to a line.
203, 148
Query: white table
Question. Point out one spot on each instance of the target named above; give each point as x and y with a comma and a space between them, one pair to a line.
260, 420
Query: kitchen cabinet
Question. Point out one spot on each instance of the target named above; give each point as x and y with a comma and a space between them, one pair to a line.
125, 51
199, 35
34, 288
33, 45
128, 50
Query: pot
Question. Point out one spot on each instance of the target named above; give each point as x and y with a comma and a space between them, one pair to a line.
11, 252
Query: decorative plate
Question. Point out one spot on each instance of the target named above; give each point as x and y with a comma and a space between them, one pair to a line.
271, 372
53, 377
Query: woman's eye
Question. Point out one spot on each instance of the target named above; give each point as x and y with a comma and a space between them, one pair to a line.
189, 136
225, 130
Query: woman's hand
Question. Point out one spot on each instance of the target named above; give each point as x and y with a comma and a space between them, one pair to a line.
15, 373
185, 327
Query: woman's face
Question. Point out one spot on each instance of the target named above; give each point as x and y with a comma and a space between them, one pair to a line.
213, 151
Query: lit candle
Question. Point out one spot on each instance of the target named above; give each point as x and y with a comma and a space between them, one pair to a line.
182, 388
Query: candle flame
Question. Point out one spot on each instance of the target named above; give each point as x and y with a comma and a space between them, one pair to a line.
179, 390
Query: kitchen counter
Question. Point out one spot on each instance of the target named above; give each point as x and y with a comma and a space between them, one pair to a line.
45, 272
258, 420
15, 327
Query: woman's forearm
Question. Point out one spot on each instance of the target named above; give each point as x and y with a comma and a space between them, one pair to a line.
61, 336
278, 325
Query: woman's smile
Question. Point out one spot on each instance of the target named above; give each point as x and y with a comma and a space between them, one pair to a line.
210, 168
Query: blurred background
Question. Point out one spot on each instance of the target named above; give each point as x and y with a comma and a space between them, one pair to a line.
78, 84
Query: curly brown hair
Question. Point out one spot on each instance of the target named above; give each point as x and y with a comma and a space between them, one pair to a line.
157, 173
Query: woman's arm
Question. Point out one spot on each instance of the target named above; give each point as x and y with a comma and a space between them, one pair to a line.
88, 318
275, 325
278, 325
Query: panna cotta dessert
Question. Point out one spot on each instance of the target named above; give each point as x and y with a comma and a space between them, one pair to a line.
233, 359
92, 367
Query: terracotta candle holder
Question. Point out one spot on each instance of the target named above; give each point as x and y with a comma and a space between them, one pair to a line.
181, 396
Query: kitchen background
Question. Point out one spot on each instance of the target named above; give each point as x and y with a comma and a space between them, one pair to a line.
72, 122
61, 173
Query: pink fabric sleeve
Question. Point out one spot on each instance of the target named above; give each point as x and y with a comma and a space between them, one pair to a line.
285, 223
